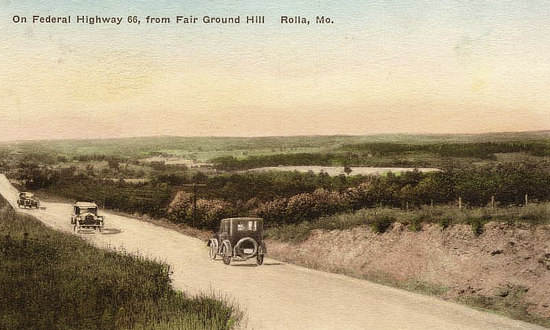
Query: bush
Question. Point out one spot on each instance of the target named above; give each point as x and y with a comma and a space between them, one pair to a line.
290, 233
445, 222
416, 223
381, 223
477, 225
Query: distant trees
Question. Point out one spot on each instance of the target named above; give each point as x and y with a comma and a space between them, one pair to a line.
378, 154
199, 213
290, 197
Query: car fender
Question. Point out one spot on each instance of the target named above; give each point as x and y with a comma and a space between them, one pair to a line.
212, 241
228, 248
263, 248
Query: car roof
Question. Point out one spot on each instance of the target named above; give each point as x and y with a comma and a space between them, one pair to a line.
243, 218
26, 193
85, 204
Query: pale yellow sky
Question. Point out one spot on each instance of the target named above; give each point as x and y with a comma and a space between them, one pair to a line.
370, 73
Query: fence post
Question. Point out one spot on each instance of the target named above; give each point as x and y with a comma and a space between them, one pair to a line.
432, 202
459, 202
493, 201
526, 199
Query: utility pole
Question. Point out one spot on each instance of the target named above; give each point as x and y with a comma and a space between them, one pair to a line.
194, 185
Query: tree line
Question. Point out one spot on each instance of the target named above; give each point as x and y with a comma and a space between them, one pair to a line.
292, 197
508, 184
376, 154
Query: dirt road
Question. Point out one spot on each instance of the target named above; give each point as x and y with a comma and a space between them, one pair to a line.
276, 295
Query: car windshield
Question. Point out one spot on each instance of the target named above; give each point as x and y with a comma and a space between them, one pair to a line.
248, 225
81, 210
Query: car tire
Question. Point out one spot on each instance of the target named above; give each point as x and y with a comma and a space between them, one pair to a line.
213, 252
226, 258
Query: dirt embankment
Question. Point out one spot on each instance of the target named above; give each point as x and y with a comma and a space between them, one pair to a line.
506, 268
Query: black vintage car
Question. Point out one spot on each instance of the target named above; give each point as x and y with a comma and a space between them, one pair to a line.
27, 200
240, 238
85, 217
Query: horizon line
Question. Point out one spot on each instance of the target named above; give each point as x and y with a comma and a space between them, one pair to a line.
544, 131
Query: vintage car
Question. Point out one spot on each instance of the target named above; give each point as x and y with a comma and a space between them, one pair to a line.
85, 216
240, 238
27, 200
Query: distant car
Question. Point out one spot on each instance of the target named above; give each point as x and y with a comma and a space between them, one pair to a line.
27, 200
85, 216
240, 238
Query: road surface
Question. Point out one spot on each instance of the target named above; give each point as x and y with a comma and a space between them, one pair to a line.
276, 295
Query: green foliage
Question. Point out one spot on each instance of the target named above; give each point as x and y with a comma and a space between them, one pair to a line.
381, 223
202, 214
387, 154
270, 185
291, 233
146, 198
444, 216
445, 222
51, 280
470, 172
416, 223
477, 225
508, 301
483, 150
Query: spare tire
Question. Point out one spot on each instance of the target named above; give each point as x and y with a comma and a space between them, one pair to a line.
244, 243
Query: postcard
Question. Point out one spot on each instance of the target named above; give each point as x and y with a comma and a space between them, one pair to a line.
389, 159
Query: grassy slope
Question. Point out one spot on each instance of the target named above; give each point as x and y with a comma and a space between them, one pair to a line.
51, 280
379, 219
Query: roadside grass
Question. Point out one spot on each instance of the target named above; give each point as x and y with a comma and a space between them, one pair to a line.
381, 219
413, 285
506, 301
52, 280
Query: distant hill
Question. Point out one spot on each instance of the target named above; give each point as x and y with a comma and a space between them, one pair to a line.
207, 147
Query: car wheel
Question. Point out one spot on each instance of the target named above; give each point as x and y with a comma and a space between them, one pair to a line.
213, 251
226, 258
260, 259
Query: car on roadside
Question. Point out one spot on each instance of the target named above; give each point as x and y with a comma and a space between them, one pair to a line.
240, 239
27, 200
85, 217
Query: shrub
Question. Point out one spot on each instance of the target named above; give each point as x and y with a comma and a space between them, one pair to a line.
290, 233
381, 223
477, 225
445, 222
416, 223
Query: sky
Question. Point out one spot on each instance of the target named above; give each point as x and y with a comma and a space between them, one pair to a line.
381, 67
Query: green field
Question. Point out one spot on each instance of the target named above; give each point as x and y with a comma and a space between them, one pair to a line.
207, 148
